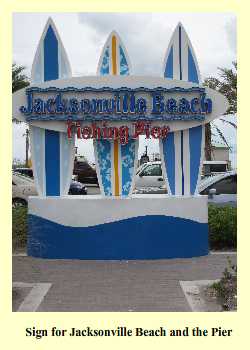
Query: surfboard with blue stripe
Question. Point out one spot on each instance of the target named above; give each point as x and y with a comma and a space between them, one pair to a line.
52, 152
115, 163
182, 151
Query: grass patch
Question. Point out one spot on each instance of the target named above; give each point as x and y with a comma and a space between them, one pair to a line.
226, 289
19, 227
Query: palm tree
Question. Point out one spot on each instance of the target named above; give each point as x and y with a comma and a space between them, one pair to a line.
20, 81
227, 85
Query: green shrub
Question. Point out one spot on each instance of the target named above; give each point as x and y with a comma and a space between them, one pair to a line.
19, 227
222, 223
226, 288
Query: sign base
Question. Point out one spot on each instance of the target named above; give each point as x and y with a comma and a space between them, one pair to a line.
140, 227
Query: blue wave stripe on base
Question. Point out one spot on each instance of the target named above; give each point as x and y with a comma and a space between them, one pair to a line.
145, 237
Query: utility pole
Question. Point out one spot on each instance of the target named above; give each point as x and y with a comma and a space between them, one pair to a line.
27, 148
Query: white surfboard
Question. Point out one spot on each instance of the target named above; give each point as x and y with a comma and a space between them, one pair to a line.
182, 151
52, 152
115, 163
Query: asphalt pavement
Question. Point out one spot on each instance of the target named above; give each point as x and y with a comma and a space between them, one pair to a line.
89, 285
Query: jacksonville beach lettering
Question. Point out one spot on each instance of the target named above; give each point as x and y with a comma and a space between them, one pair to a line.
120, 105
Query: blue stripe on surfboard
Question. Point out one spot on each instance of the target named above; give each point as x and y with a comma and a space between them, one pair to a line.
169, 70
169, 159
192, 71
52, 138
52, 162
180, 63
51, 69
127, 159
104, 70
103, 149
182, 170
124, 69
195, 139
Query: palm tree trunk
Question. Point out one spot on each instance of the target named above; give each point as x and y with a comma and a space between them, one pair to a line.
208, 142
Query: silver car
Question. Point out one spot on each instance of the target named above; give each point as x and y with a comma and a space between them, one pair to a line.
221, 189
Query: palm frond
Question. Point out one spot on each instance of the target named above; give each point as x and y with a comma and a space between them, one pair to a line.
222, 136
229, 122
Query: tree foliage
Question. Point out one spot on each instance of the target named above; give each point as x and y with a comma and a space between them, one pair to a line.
227, 85
19, 79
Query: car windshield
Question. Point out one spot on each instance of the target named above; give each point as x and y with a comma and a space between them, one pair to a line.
141, 167
207, 181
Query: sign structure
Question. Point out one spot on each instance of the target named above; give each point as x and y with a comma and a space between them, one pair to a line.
114, 108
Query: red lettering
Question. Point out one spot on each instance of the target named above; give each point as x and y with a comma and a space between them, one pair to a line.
123, 134
156, 132
86, 132
78, 126
164, 131
138, 129
69, 129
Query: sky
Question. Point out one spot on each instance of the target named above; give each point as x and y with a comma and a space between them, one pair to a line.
145, 36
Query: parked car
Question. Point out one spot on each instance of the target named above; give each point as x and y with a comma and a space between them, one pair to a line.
149, 175
221, 189
215, 167
77, 188
84, 171
24, 171
23, 187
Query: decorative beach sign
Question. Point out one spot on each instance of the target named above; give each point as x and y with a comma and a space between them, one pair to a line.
115, 108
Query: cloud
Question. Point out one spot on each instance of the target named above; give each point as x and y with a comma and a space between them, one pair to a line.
139, 32
231, 30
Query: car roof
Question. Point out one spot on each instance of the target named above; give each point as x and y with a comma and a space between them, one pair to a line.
22, 169
22, 177
214, 178
154, 162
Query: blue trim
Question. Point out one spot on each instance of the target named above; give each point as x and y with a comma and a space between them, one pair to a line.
52, 162
129, 117
169, 158
169, 70
144, 237
195, 139
182, 170
51, 69
115, 90
192, 71
180, 63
